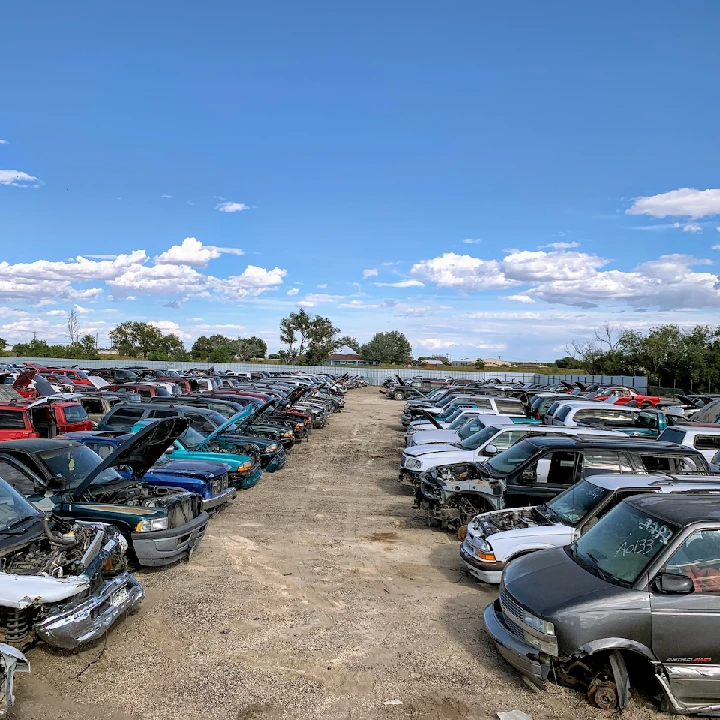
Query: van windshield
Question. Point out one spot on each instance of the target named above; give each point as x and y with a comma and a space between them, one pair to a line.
75, 463
622, 544
573, 504
509, 460
479, 438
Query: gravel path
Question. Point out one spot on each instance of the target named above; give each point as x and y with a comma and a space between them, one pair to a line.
318, 594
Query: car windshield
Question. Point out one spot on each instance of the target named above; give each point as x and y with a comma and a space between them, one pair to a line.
513, 457
471, 428
573, 504
191, 438
479, 438
75, 463
460, 421
622, 544
14, 508
455, 414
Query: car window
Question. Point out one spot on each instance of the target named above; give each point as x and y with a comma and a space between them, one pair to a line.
102, 449
507, 438
75, 463
19, 480
574, 503
513, 457
674, 435
75, 413
162, 413
124, 417
707, 442
563, 412
601, 461
506, 407
93, 406
562, 467
12, 420
698, 558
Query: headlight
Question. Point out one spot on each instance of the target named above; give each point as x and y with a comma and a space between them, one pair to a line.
536, 623
482, 545
300, 426
152, 525
288, 434
246, 465
271, 448
413, 463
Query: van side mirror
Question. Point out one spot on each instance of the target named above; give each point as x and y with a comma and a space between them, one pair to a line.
490, 450
673, 584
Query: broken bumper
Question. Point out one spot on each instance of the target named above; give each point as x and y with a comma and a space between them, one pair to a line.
276, 461
242, 481
519, 654
488, 572
92, 618
221, 499
409, 478
168, 546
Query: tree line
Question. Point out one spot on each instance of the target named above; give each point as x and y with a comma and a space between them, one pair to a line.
669, 355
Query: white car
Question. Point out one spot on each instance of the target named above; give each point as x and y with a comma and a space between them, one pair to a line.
704, 439
479, 447
496, 538
465, 426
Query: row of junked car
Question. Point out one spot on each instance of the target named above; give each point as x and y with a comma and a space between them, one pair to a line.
81, 500
602, 530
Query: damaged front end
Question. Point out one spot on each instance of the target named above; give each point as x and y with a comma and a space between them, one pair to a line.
11, 661
65, 583
451, 495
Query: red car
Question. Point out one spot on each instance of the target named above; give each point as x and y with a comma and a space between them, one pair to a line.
625, 395
44, 418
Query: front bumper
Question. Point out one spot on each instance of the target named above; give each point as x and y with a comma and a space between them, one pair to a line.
519, 654
488, 572
243, 481
276, 461
221, 499
409, 478
163, 547
92, 618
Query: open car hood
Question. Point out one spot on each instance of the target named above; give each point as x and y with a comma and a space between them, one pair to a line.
258, 410
246, 412
141, 451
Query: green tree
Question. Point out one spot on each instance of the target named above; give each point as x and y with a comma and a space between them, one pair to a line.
480, 364
315, 338
388, 347
252, 347
3, 344
566, 362
351, 342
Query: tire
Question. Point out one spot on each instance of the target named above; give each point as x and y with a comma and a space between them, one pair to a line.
399, 395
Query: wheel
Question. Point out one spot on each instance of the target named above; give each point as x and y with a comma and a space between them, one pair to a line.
398, 395
604, 695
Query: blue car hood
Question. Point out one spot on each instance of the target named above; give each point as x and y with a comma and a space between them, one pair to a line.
204, 468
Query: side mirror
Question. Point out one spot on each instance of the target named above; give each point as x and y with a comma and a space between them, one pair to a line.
674, 584
170, 450
59, 483
208, 427
490, 450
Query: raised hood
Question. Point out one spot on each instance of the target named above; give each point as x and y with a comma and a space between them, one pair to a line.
259, 410
141, 451
246, 412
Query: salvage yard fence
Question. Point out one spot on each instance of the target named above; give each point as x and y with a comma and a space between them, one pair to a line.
374, 376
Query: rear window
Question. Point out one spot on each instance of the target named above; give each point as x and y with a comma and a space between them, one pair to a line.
124, 417
509, 406
12, 420
563, 412
672, 463
93, 406
75, 413
673, 435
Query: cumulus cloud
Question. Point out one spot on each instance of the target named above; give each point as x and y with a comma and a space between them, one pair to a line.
252, 282
372, 272
192, 252
17, 178
56, 313
688, 202
520, 298
312, 299
231, 207
715, 247
692, 228
166, 196
293, 291
4, 142
81, 309
401, 284
462, 272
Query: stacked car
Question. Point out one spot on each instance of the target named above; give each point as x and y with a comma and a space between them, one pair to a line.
597, 514
125, 472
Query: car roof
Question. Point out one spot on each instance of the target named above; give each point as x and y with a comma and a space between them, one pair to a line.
662, 481
697, 429
35, 445
154, 406
639, 446
680, 509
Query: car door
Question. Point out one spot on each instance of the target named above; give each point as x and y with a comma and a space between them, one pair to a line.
543, 478
686, 628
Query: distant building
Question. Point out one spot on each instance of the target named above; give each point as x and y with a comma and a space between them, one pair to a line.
495, 362
465, 362
432, 363
347, 356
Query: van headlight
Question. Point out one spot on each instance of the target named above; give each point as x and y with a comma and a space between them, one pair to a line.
152, 525
246, 465
542, 626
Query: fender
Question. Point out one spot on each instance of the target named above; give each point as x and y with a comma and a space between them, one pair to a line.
615, 643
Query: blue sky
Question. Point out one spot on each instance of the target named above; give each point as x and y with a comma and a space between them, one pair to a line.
492, 180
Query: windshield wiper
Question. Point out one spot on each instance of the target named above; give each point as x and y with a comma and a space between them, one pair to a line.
9, 531
604, 574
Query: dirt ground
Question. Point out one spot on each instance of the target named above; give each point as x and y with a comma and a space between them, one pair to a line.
318, 594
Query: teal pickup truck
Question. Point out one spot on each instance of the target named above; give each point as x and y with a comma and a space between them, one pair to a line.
245, 467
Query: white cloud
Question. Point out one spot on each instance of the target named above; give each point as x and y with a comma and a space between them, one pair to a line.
312, 299
562, 245
168, 326
502, 315
692, 228
462, 272
322, 287
682, 202
57, 313
4, 142
252, 282
293, 291
401, 284
190, 252
166, 196
715, 247
81, 309
16, 178
163, 279
434, 343
472, 241
101, 257
229, 251
372, 272
520, 298
231, 207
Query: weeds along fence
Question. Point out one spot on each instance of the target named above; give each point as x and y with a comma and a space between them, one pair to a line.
374, 376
